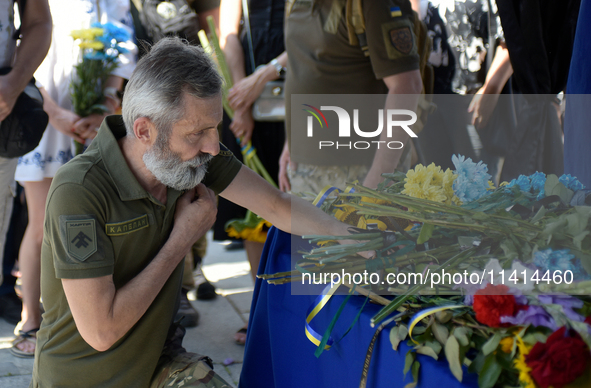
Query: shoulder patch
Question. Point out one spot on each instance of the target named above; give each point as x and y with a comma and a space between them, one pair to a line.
81, 238
399, 38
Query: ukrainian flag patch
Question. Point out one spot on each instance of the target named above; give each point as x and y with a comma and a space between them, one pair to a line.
395, 12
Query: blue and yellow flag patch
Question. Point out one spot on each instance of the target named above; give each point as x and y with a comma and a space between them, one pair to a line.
395, 12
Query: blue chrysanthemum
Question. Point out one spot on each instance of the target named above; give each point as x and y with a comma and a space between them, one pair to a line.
472, 180
560, 260
571, 182
523, 182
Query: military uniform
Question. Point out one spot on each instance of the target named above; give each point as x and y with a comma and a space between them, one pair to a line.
100, 221
323, 61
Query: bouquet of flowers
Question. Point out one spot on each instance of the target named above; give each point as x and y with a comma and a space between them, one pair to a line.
100, 48
511, 255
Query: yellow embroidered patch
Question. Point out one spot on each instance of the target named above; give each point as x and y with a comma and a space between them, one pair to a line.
126, 227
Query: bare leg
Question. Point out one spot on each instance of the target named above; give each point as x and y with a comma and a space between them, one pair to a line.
30, 255
253, 253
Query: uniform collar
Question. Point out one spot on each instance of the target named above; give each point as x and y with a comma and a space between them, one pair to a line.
112, 129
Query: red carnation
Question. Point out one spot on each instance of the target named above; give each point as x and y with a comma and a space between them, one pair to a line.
588, 320
492, 303
561, 360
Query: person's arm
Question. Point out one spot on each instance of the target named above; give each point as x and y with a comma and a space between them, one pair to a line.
485, 100
36, 28
403, 93
61, 119
287, 212
87, 126
104, 314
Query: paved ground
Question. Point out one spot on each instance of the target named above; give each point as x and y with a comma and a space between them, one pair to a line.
220, 319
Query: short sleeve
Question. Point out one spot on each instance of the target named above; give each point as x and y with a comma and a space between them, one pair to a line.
390, 37
75, 231
222, 170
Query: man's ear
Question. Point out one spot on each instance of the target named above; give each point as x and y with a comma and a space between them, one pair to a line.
144, 130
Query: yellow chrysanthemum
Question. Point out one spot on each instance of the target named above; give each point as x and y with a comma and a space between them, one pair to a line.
521, 365
91, 45
507, 344
87, 34
448, 187
255, 234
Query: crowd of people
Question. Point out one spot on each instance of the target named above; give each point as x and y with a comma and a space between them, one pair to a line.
164, 161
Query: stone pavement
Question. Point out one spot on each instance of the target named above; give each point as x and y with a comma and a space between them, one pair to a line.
219, 319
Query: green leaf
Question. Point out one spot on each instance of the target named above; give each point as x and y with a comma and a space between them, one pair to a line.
462, 335
492, 344
578, 239
490, 372
444, 316
440, 332
436, 346
427, 351
415, 371
452, 353
398, 334
409, 359
541, 213
477, 363
426, 233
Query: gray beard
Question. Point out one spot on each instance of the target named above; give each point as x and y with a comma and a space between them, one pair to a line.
169, 170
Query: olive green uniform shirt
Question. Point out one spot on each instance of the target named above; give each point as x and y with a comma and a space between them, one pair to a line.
322, 61
100, 221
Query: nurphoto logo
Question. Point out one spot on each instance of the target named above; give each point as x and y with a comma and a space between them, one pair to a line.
393, 119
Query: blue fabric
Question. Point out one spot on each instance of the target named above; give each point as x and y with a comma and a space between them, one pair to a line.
278, 353
577, 123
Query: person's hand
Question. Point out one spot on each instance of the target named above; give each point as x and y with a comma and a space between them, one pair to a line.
88, 126
284, 161
482, 106
245, 92
195, 214
8, 97
63, 120
242, 125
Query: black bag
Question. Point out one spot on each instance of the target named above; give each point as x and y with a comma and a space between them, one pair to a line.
22, 130
168, 18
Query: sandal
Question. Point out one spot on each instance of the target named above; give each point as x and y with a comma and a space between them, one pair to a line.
24, 337
238, 337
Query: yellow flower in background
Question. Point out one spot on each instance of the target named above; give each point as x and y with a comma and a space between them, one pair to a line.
87, 33
491, 185
520, 364
507, 344
91, 45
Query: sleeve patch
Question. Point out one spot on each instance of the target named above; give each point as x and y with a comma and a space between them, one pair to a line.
399, 38
79, 237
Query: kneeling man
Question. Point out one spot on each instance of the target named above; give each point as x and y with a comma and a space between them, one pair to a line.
122, 216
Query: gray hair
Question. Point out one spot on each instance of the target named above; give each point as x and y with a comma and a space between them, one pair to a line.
155, 89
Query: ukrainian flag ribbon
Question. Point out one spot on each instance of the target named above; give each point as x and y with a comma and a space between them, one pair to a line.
425, 313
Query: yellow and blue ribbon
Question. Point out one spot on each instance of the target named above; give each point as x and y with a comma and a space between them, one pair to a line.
314, 309
425, 313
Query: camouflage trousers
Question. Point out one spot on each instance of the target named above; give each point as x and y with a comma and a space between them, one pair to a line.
179, 368
187, 370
